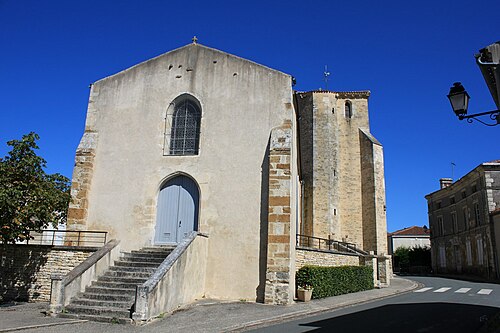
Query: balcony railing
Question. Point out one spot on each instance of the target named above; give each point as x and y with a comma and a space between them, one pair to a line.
328, 244
67, 238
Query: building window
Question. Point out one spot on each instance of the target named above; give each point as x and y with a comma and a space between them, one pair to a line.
480, 256
468, 252
474, 188
438, 205
442, 256
454, 222
477, 214
348, 109
466, 217
182, 128
464, 195
440, 225
452, 200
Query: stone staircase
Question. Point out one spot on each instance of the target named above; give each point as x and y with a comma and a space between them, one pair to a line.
112, 296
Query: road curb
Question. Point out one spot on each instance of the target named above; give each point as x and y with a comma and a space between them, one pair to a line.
306, 313
20, 328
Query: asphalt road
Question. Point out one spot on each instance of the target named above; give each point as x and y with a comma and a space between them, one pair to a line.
441, 305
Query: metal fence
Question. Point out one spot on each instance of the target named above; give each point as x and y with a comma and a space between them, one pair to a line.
327, 244
67, 238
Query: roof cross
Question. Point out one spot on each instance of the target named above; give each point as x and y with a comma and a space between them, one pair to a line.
194, 39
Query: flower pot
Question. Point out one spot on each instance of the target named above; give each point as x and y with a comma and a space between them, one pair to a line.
304, 295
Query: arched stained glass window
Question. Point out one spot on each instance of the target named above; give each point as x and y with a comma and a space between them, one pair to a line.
348, 109
185, 130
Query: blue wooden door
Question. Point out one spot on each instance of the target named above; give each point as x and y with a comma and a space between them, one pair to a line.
177, 210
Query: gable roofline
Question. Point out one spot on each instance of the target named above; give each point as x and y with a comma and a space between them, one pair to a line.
370, 136
186, 47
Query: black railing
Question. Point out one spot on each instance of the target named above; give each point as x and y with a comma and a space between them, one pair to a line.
67, 238
327, 244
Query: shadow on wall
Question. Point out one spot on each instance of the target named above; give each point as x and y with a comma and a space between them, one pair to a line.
19, 267
264, 213
409, 318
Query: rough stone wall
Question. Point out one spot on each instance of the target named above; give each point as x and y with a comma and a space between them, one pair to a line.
84, 168
495, 222
492, 185
304, 107
385, 273
349, 170
325, 166
278, 289
320, 258
331, 161
456, 261
373, 194
479, 187
26, 269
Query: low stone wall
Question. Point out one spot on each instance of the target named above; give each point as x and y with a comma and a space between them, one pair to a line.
320, 258
25, 270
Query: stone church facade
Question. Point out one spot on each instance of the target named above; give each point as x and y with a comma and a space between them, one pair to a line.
200, 140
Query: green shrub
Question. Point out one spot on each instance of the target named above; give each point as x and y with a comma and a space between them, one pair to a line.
412, 260
332, 281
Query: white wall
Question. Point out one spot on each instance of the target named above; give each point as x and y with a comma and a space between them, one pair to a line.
241, 102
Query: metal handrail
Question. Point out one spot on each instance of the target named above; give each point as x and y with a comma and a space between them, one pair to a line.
328, 244
67, 238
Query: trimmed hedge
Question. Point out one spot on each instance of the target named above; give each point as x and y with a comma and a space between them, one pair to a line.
333, 281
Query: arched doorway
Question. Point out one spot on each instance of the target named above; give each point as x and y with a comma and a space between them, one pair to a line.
177, 210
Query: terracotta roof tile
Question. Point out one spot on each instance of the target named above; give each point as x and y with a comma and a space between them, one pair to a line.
411, 231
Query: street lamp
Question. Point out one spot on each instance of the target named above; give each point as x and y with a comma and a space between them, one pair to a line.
459, 99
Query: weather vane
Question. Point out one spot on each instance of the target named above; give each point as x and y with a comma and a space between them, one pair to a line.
326, 74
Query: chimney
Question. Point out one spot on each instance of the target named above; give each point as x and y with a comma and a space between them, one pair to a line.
445, 182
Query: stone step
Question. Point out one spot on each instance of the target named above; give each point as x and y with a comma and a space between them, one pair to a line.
163, 248
135, 264
156, 260
114, 285
128, 274
149, 270
138, 254
124, 305
111, 298
103, 295
107, 290
98, 310
136, 280
104, 319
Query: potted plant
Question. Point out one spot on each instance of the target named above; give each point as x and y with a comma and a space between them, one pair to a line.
304, 293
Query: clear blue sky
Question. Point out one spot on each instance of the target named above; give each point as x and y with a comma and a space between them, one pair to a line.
406, 53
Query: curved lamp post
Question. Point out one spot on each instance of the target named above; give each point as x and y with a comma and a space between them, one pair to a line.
459, 99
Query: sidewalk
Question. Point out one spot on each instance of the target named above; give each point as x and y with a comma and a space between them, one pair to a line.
202, 316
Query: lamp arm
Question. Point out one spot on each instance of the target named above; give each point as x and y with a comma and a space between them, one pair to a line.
485, 64
479, 114
494, 115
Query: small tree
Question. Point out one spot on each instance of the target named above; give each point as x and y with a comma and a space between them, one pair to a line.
402, 258
30, 199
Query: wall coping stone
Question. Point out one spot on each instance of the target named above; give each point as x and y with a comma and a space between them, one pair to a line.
328, 251
85, 265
